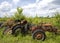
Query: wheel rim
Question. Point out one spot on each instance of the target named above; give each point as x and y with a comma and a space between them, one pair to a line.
8, 32
38, 36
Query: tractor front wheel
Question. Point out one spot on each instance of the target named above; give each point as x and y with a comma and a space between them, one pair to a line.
39, 35
7, 30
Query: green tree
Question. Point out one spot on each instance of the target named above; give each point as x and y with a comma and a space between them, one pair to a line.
19, 15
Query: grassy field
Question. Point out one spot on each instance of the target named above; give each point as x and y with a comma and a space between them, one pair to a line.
51, 38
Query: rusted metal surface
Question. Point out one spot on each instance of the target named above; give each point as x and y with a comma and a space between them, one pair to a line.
11, 23
44, 27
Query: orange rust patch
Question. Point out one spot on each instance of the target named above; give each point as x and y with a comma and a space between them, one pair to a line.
39, 36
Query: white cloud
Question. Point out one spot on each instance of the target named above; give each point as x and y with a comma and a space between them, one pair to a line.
8, 14
6, 9
15, 1
41, 8
40, 4
37, 1
13, 10
5, 6
44, 3
29, 6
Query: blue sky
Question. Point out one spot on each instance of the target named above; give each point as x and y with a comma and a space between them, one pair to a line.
30, 7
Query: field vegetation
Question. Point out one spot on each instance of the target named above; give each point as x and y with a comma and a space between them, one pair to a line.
51, 38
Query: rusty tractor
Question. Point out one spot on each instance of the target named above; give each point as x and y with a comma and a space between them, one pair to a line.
38, 31
9, 25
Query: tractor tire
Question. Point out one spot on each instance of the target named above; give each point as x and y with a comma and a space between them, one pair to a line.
39, 35
7, 31
16, 29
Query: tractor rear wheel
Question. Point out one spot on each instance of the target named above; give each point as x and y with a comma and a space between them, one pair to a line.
16, 30
39, 35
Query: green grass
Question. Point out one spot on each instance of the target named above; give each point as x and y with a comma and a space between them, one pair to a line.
51, 38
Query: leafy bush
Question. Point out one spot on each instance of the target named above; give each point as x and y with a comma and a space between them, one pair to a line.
18, 15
